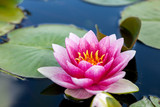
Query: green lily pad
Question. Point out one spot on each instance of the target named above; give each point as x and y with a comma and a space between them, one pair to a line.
30, 48
111, 2
149, 13
155, 101
10, 2
129, 29
10, 15
142, 103
5, 27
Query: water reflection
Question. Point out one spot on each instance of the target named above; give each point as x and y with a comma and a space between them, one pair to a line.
10, 91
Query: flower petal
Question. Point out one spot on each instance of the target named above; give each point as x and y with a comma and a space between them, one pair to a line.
123, 86
74, 71
94, 89
83, 82
74, 37
104, 44
84, 65
78, 93
72, 50
112, 38
115, 47
104, 100
91, 37
61, 60
92, 40
113, 79
59, 76
108, 64
95, 73
83, 45
121, 62
60, 50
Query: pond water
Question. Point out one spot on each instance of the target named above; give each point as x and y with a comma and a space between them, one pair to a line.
18, 93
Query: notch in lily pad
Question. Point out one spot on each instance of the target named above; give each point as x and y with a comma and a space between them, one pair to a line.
130, 29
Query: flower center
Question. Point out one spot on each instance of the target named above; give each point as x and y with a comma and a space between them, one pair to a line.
94, 60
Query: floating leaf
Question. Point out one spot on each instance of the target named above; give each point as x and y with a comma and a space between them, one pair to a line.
53, 89
31, 48
142, 103
99, 34
12, 3
130, 29
10, 14
110, 2
104, 100
149, 13
5, 27
155, 101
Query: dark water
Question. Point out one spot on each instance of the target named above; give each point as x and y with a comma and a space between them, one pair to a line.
18, 93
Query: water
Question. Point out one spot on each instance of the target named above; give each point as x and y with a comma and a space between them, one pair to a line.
18, 93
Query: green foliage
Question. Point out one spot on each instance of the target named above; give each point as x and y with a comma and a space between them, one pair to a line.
155, 102
149, 13
130, 29
104, 99
111, 2
10, 15
31, 48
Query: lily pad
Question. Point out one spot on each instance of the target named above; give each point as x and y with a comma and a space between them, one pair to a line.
5, 27
149, 13
31, 48
10, 15
129, 29
153, 102
142, 103
111, 2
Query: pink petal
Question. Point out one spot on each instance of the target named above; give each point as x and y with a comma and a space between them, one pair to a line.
61, 51
96, 89
74, 37
59, 76
84, 65
104, 44
83, 45
115, 47
123, 86
108, 64
121, 62
61, 60
74, 71
72, 49
78, 93
91, 37
112, 79
131, 54
92, 40
95, 73
82, 82
112, 38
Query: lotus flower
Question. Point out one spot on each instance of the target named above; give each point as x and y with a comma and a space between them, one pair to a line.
89, 67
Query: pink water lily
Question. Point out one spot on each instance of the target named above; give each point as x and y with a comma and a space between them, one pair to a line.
89, 66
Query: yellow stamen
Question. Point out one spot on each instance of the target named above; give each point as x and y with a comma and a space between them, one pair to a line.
94, 60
